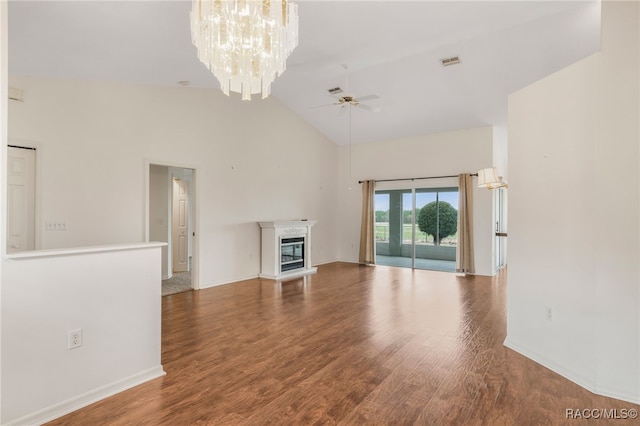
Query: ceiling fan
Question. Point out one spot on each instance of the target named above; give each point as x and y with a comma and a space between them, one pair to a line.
349, 99
357, 102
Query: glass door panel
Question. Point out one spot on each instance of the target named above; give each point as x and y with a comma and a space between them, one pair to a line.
417, 228
391, 236
407, 247
381, 209
436, 228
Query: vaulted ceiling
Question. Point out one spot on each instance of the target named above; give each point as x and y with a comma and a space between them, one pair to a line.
392, 48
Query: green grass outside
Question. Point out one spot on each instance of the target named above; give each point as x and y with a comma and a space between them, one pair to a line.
382, 235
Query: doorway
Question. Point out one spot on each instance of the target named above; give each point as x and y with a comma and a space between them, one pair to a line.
500, 209
180, 225
171, 219
21, 199
417, 228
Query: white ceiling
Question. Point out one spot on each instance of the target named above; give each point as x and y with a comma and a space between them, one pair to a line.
393, 49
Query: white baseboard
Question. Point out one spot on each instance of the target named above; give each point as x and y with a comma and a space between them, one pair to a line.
290, 274
204, 286
585, 382
576, 378
257, 275
72, 404
616, 394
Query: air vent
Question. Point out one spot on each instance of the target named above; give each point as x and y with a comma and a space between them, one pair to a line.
450, 61
15, 94
334, 91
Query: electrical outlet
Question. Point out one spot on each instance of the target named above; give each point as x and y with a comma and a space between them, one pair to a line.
55, 226
548, 313
75, 338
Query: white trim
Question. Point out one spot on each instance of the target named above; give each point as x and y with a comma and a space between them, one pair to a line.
575, 377
287, 223
4, 87
195, 257
613, 393
585, 382
82, 250
65, 407
237, 280
147, 171
39, 222
257, 276
289, 275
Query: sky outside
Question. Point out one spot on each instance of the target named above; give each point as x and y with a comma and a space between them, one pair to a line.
422, 198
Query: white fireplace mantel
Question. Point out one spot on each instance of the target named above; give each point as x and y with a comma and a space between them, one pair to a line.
271, 256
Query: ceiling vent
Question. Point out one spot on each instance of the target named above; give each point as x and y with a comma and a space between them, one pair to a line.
15, 94
454, 60
334, 91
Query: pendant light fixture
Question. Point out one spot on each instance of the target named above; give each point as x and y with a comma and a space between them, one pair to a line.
244, 43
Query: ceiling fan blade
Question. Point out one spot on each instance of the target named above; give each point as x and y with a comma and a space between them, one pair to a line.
368, 107
321, 106
367, 98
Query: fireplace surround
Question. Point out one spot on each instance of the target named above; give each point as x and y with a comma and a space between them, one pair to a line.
286, 249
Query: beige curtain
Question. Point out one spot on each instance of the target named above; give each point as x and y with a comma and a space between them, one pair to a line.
464, 251
367, 224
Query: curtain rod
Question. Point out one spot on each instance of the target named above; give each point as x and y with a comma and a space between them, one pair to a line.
418, 178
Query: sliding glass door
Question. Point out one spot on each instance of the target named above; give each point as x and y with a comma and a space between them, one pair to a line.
417, 228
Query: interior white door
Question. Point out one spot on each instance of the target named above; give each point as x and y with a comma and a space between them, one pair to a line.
21, 199
180, 237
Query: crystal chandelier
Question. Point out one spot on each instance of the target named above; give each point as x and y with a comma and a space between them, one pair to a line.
245, 43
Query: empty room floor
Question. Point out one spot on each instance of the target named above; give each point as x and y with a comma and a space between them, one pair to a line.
405, 262
350, 345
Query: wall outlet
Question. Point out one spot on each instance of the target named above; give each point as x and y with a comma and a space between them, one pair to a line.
56, 226
548, 313
75, 338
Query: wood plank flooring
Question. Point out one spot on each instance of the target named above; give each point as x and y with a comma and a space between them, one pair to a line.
350, 345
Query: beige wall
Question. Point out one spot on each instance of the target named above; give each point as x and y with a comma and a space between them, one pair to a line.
159, 216
574, 233
3, 151
112, 295
441, 154
95, 142
255, 161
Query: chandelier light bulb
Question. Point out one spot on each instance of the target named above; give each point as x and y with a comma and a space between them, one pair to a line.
244, 43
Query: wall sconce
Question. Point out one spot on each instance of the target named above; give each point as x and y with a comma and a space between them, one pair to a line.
488, 178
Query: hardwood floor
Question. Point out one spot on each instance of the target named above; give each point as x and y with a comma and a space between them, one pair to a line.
349, 345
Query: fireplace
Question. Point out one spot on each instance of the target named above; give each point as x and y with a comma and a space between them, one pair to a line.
291, 253
286, 249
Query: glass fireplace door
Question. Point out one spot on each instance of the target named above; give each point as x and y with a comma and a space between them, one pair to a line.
291, 253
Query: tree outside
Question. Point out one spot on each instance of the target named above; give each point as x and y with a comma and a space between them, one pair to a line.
382, 216
406, 216
438, 219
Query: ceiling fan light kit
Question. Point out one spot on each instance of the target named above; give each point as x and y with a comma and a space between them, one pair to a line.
244, 43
